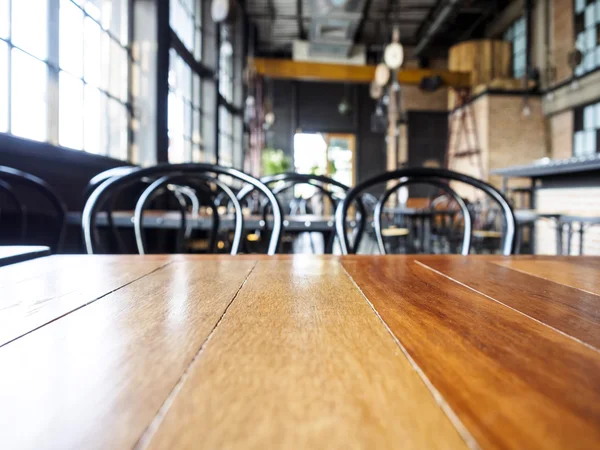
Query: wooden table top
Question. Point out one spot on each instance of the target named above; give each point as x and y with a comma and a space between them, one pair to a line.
155, 352
10, 254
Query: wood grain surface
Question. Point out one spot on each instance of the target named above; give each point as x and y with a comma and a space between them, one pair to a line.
571, 311
35, 294
512, 381
579, 273
97, 377
215, 351
300, 360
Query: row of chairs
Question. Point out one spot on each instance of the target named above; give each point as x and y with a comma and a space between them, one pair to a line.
209, 192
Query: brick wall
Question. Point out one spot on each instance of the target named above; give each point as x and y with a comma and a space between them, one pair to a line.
561, 134
463, 138
514, 139
505, 136
568, 200
414, 99
562, 37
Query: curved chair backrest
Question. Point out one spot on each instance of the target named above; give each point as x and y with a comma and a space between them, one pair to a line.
184, 174
160, 183
466, 246
7, 190
291, 179
12, 176
100, 178
434, 177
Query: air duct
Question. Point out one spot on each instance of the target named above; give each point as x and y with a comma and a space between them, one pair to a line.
333, 26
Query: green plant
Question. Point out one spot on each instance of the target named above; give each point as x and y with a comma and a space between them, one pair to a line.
275, 161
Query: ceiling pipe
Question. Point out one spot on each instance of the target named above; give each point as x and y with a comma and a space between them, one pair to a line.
447, 11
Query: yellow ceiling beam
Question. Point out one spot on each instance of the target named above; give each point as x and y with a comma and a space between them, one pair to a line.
313, 71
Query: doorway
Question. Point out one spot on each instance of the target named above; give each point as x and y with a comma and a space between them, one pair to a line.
329, 154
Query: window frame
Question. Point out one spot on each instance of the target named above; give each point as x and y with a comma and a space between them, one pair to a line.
53, 70
510, 36
579, 22
579, 127
196, 67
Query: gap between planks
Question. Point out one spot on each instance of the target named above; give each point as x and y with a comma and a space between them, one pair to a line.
516, 269
155, 423
424, 265
439, 399
87, 303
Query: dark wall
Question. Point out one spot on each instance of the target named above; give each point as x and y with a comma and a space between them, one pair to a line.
427, 143
281, 134
371, 157
427, 137
318, 107
313, 107
68, 171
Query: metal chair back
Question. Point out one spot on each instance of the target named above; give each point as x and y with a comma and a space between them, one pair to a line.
12, 178
435, 177
196, 176
283, 182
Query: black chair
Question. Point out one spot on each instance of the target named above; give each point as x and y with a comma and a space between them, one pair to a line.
435, 177
180, 194
179, 183
96, 181
377, 223
100, 178
325, 187
16, 184
199, 180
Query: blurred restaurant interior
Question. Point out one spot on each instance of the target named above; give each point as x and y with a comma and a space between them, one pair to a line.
507, 92
299, 224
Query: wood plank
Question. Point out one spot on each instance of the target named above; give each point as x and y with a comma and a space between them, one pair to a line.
28, 270
512, 381
315, 71
11, 254
577, 272
39, 299
569, 310
96, 378
300, 360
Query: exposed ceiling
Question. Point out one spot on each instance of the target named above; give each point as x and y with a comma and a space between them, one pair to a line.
369, 22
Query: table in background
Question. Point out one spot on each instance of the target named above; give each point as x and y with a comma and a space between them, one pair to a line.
528, 218
421, 220
300, 352
583, 221
10, 254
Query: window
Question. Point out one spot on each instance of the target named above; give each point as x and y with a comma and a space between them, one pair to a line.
24, 68
226, 66
93, 81
186, 21
226, 140
226, 125
54, 89
185, 85
586, 140
587, 34
185, 140
517, 34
